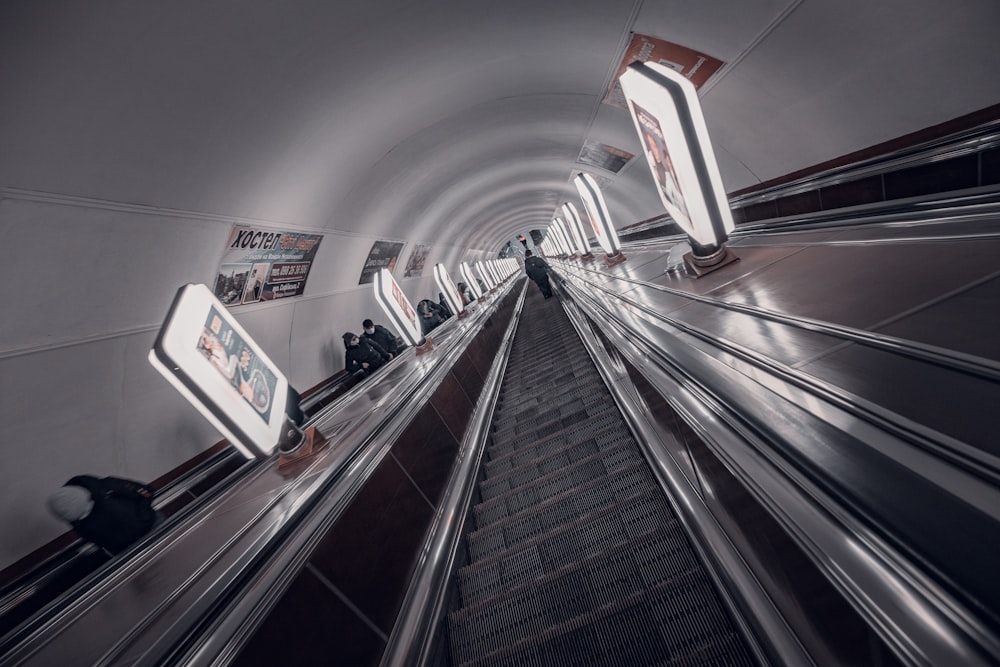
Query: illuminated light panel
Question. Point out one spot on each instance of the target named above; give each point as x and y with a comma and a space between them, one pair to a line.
214, 363
397, 307
565, 236
572, 217
560, 239
485, 275
597, 209
448, 288
470, 279
671, 127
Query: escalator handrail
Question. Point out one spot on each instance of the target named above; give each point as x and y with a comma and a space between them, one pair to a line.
912, 611
961, 143
958, 453
26, 641
226, 616
423, 605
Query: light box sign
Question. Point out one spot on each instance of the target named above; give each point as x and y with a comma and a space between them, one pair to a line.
573, 220
470, 280
214, 363
397, 307
668, 118
597, 209
448, 288
262, 265
485, 275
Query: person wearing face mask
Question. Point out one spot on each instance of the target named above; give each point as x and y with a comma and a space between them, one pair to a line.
378, 334
363, 354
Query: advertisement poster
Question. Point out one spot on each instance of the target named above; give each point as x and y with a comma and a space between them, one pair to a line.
664, 173
233, 358
262, 265
602, 156
383, 255
415, 265
696, 67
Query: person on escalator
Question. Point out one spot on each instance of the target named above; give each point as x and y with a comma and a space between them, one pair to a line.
538, 270
363, 354
111, 512
430, 315
378, 334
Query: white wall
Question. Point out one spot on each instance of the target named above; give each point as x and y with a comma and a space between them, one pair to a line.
88, 285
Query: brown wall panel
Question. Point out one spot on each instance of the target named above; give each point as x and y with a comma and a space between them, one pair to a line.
311, 625
853, 193
452, 405
989, 167
800, 204
370, 551
944, 176
427, 451
763, 211
469, 378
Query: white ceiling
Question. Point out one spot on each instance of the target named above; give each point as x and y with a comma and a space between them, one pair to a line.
453, 122
134, 134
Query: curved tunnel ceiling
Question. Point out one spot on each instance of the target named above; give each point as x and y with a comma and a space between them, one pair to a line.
134, 135
447, 121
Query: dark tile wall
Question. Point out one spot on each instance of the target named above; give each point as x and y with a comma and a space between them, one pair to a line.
944, 176
854, 193
344, 603
989, 165
298, 630
800, 204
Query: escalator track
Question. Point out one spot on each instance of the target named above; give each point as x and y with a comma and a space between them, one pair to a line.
575, 555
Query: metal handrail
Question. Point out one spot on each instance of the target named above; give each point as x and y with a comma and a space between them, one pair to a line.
263, 583
945, 446
423, 605
345, 465
955, 145
916, 616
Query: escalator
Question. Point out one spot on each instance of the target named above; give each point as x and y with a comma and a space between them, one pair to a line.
575, 556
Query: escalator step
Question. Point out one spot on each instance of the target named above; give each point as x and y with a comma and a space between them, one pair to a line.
577, 557
610, 434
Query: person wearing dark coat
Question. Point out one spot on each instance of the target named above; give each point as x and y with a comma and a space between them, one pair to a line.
445, 308
538, 270
363, 354
110, 512
430, 315
378, 334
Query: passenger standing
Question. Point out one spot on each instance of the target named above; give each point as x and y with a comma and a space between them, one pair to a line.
362, 355
430, 315
110, 512
538, 270
378, 334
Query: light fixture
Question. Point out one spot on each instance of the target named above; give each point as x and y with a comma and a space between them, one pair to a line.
448, 287
398, 309
470, 280
600, 219
572, 217
668, 118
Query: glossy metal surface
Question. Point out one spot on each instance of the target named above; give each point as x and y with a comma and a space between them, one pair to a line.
139, 611
911, 482
424, 603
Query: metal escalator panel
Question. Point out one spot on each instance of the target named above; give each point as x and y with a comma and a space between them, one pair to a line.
576, 557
